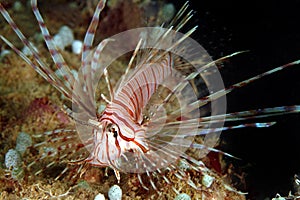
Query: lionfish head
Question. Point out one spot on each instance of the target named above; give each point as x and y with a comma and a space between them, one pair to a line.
113, 142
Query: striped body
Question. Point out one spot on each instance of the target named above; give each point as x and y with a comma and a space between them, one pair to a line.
124, 115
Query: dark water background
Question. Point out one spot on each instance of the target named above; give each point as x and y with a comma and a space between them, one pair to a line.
270, 30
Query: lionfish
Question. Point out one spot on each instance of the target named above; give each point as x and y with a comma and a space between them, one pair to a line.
170, 99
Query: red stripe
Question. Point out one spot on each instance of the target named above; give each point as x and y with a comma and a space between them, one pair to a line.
118, 147
141, 91
141, 104
153, 73
137, 100
147, 86
141, 146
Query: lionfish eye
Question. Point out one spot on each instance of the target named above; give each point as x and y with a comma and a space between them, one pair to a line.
113, 129
115, 133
